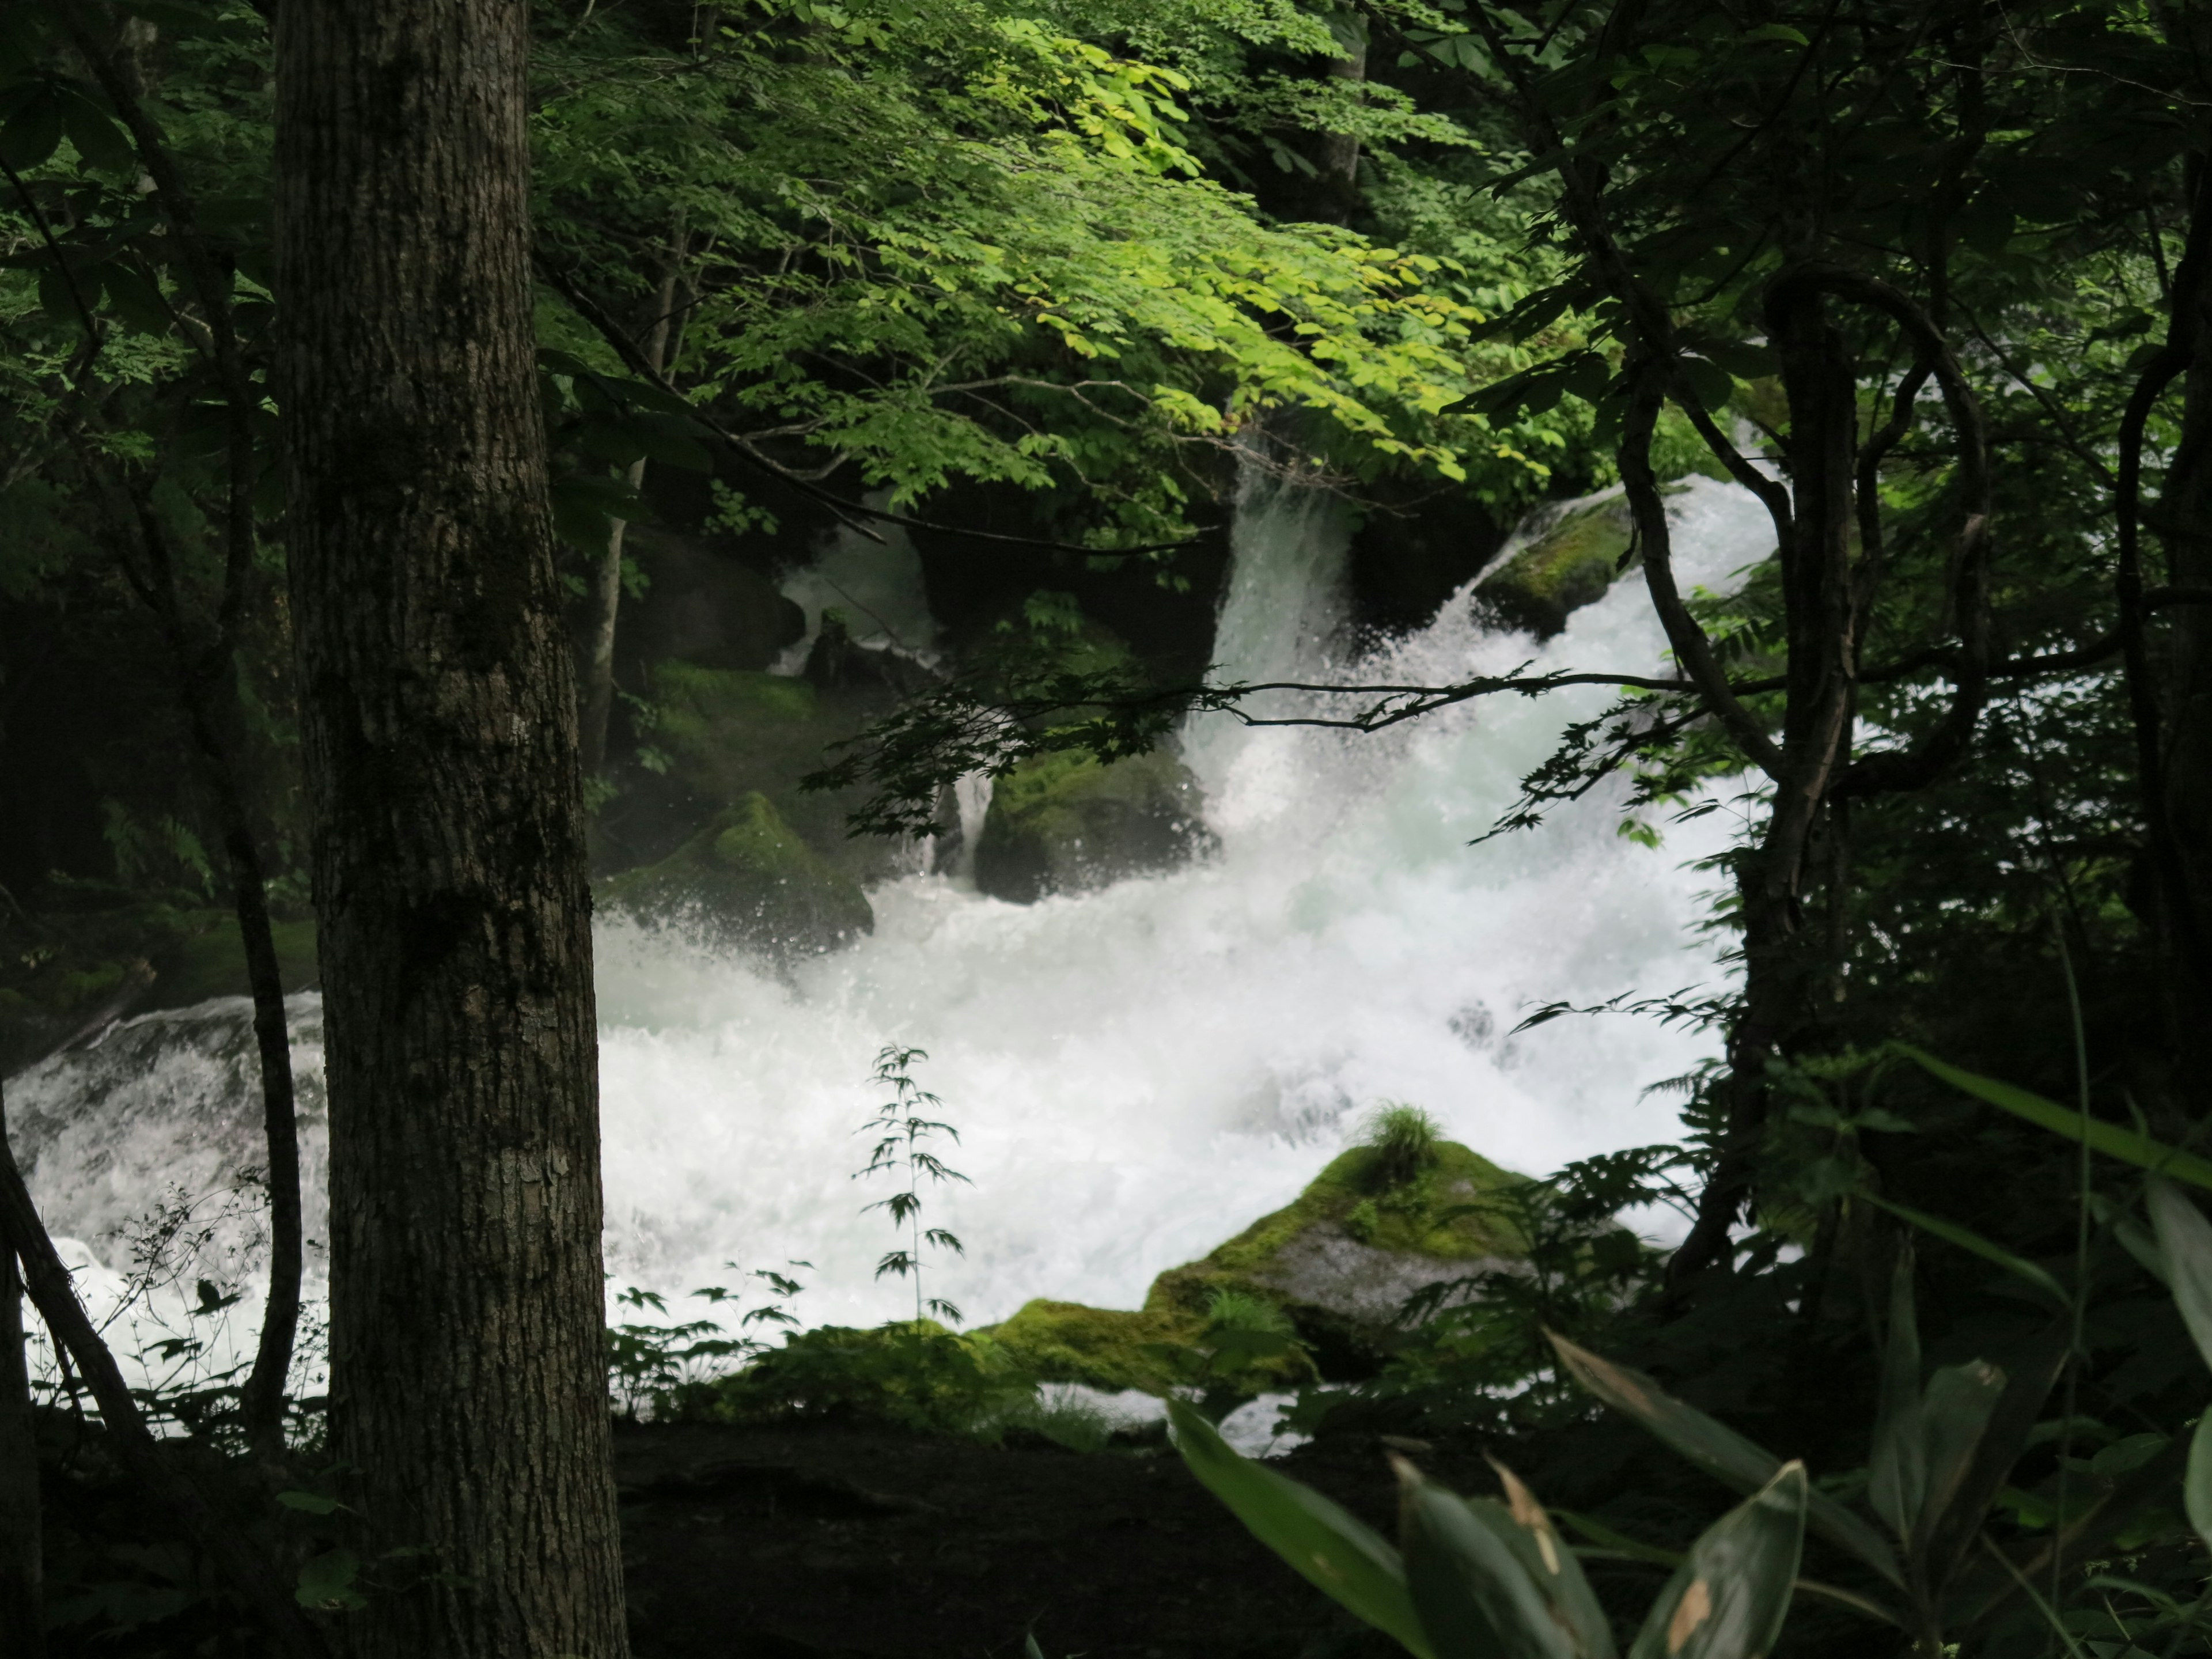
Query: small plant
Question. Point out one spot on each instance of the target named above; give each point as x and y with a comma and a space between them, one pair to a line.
1404, 1139
661, 1371
1475, 1575
900, 1129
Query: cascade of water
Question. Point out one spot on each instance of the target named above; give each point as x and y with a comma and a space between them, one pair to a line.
1137, 1072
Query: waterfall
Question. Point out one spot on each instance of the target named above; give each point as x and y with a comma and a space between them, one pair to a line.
1136, 1074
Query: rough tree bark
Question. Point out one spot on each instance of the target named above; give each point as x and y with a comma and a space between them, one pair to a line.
468, 1383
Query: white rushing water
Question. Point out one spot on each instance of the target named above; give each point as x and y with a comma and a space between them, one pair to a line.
1136, 1074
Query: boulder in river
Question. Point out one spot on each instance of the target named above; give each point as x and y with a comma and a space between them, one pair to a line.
1573, 562
1069, 822
748, 879
1374, 1227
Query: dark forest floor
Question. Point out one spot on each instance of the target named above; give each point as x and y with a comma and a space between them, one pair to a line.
752, 1543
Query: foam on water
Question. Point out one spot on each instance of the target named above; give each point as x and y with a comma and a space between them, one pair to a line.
1136, 1074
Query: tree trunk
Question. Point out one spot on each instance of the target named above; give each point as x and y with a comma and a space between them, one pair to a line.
247, 1569
22, 1559
2185, 519
468, 1385
599, 693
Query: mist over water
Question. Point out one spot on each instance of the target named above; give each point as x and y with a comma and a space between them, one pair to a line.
1136, 1074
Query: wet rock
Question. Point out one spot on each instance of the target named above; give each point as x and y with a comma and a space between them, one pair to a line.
1573, 561
1343, 1257
748, 879
1067, 822
1412, 552
702, 606
1339, 1262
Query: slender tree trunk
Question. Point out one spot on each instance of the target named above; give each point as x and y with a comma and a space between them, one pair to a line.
468, 1380
22, 1552
599, 697
247, 1569
2185, 518
262, 1404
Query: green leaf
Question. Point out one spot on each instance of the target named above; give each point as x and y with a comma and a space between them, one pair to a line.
1729, 1599
136, 298
33, 132
327, 1581
1709, 382
1342, 1556
2197, 1483
2109, 1139
1955, 1415
310, 1503
1719, 1450
1897, 1483
1966, 1239
1474, 1598
2185, 1238
97, 138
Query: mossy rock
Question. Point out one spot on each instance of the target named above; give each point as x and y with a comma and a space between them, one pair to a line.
212, 964
1109, 1348
1342, 1258
1068, 822
1574, 563
1339, 1262
748, 879
720, 735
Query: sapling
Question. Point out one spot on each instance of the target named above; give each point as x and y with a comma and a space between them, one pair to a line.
900, 1129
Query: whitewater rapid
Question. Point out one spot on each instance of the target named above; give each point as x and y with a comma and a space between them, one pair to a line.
1134, 1074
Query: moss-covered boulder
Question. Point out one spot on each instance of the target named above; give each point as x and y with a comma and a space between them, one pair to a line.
713, 737
748, 879
1068, 822
212, 963
1379, 1223
1572, 562
1369, 1232
1110, 1348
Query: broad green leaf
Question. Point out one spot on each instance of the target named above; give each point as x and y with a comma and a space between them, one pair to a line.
1728, 1600
2109, 1139
1344, 1556
310, 1503
1966, 1239
327, 1581
2185, 1238
2197, 1484
1528, 1530
1709, 382
1719, 1450
1897, 1483
1954, 1417
1474, 1598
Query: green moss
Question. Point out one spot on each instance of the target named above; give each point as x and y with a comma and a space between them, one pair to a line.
698, 709
1573, 563
748, 878
1434, 1213
1066, 822
1102, 1347
212, 964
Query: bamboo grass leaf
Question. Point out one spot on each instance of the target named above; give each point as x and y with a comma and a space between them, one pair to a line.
2109, 1139
1897, 1483
2185, 1239
1344, 1556
1729, 1599
1719, 1450
1966, 1239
